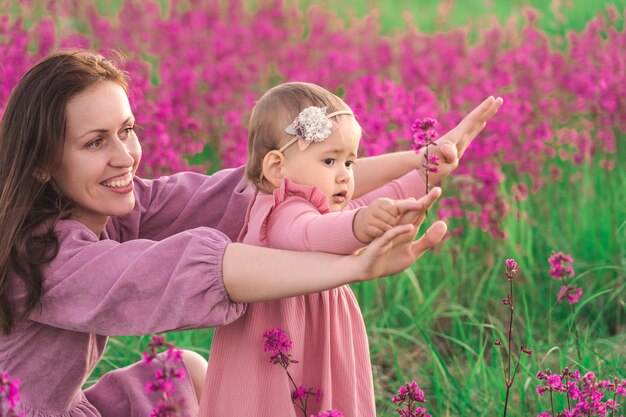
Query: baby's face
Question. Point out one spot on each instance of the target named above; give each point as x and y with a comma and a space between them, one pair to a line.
327, 165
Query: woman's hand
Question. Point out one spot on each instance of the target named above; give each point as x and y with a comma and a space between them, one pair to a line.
396, 249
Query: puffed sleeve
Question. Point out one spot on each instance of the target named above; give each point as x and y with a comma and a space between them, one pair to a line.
172, 204
409, 185
137, 287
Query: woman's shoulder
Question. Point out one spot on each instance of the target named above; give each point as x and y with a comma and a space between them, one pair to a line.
73, 231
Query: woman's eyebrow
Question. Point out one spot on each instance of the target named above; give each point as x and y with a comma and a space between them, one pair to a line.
104, 130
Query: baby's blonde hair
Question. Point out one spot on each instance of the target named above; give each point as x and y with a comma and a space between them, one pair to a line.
276, 110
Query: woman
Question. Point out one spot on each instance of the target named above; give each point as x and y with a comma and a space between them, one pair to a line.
89, 250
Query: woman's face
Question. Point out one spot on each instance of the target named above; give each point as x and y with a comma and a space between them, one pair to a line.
100, 155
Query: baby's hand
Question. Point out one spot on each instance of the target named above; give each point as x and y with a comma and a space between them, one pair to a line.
450, 147
381, 215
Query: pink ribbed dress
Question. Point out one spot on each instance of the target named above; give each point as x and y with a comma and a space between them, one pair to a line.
326, 328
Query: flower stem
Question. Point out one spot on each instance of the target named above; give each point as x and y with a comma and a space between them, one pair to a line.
506, 376
506, 399
509, 377
426, 169
302, 405
552, 402
569, 407
510, 328
516, 366
572, 324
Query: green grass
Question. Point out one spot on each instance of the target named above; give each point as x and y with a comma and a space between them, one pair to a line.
436, 323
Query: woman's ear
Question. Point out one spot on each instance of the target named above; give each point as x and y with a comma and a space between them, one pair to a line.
41, 176
273, 168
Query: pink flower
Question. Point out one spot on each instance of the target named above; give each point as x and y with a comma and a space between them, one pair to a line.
9, 396
527, 351
168, 369
424, 133
511, 269
560, 266
299, 393
554, 383
572, 294
277, 342
408, 395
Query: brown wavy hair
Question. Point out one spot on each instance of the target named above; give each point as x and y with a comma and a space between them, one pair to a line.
276, 110
32, 134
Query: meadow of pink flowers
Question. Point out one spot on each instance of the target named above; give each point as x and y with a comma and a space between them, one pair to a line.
198, 67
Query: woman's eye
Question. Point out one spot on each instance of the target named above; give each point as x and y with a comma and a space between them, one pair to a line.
329, 161
95, 143
126, 132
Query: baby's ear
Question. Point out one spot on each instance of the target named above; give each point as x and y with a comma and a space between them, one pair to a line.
273, 167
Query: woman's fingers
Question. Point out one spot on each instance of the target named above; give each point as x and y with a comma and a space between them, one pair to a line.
428, 240
390, 235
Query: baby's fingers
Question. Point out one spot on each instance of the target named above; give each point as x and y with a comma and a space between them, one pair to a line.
377, 228
449, 153
487, 108
416, 216
387, 216
408, 204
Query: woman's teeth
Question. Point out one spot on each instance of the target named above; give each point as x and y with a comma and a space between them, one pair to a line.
123, 182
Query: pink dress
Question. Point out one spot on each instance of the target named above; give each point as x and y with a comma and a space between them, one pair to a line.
326, 328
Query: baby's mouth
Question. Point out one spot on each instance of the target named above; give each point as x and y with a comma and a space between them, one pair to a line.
339, 197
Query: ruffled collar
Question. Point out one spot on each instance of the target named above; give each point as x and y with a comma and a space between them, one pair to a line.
310, 193
262, 206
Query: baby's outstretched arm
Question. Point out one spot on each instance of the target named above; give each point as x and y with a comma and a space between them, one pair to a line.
373, 172
379, 216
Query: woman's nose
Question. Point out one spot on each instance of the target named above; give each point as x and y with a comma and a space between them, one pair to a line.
122, 153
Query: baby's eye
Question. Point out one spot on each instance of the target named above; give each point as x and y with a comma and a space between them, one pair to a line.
349, 164
329, 161
95, 144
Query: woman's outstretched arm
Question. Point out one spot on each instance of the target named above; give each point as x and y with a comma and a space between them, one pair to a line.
253, 273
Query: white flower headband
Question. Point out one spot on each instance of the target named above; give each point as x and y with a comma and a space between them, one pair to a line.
311, 125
